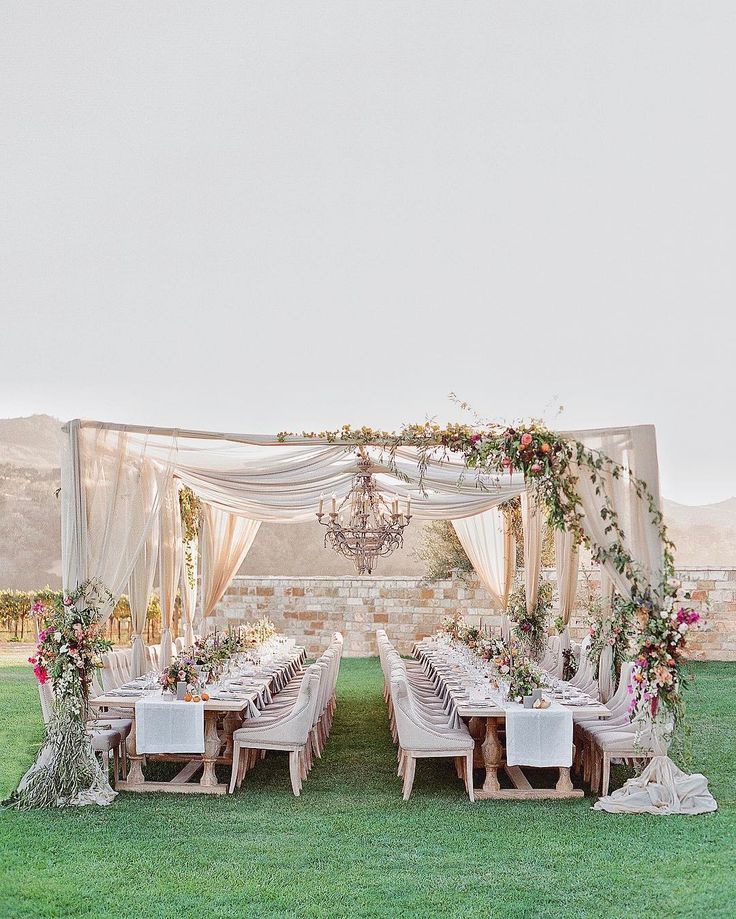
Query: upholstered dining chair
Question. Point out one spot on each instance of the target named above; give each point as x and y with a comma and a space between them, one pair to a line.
419, 741
290, 732
637, 743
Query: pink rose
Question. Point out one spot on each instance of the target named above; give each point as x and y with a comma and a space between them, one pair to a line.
535, 467
526, 439
67, 601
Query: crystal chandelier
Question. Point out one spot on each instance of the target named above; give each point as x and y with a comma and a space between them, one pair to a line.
373, 529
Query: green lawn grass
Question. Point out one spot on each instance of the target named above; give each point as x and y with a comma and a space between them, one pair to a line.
350, 847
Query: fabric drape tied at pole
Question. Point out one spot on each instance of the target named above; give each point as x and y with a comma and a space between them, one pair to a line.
111, 492
170, 562
606, 678
532, 519
225, 542
140, 589
636, 451
566, 564
488, 542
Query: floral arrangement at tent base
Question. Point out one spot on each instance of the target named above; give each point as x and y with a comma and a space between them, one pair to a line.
66, 771
657, 679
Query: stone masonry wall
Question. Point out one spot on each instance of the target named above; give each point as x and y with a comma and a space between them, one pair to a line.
310, 609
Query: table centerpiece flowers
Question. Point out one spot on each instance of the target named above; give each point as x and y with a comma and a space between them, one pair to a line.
209, 655
180, 670
524, 678
263, 629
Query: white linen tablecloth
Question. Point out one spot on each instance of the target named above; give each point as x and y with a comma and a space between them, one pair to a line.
538, 737
167, 726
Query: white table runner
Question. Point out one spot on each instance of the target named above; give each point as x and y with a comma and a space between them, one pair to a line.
167, 726
538, 737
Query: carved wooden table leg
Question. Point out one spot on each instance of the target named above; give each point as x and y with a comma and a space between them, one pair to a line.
564, 783
135, 773
231, 723
211, 749
492, 756
478, 732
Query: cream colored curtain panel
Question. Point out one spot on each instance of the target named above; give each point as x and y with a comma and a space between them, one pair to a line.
606, 679
171, 551
635, 449
111, 491
532, 519
225, 542
140, 588
488, 542
566, 563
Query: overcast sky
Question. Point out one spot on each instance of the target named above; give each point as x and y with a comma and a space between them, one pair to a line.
265, 216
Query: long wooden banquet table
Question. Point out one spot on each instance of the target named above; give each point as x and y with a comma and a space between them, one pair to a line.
218, 747
485, 717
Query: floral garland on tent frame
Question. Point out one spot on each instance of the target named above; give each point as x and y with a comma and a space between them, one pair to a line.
547, 461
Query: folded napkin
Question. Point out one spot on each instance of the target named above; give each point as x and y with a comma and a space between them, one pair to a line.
538, 737
168, 726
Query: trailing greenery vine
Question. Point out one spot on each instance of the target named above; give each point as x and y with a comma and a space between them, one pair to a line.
190, 508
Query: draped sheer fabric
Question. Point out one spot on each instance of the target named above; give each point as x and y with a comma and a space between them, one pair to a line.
566, 564
111, 492
606, 679
140, 588
171, 551
488, 542
532, 520
635, 450
114, 477
225, 542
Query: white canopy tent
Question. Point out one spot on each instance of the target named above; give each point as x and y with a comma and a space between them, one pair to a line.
119, 523
118, 481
